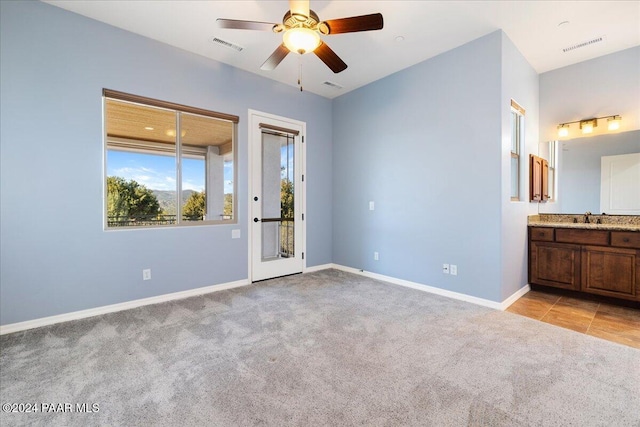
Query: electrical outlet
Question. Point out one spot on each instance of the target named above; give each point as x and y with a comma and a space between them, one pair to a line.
445, 268
146, 274
372, 206
376, 256
454, 270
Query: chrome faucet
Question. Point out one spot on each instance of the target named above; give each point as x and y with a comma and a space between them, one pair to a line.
586, 217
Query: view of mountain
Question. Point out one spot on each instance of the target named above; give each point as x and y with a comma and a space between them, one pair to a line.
167, 200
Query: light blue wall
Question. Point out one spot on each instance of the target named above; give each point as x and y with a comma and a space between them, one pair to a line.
56, 258
424, 145
599, 87
520, 83
579, 185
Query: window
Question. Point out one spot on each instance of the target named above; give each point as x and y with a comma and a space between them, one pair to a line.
167, 164
517, 136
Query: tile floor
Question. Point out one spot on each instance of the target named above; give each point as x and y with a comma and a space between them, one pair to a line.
610, 322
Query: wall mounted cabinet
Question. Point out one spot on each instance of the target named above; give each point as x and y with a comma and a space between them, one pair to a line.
538, 179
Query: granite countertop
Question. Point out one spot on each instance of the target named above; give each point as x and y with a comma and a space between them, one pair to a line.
609, 222
591, 226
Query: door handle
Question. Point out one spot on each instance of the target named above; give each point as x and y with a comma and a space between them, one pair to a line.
256, 220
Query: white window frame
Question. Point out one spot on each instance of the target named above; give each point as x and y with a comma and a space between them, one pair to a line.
518, 112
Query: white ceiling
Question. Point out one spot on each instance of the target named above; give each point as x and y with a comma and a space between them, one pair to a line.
428, 27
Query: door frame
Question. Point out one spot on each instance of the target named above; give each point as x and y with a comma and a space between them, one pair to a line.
253, 120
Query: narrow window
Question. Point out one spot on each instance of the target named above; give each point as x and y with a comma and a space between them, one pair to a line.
167, 164
517, 136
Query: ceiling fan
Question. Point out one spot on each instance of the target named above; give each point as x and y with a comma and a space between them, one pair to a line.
301, 30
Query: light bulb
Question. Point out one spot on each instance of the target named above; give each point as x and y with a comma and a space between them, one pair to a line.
587, 127
613, 123
563, 130
301, 40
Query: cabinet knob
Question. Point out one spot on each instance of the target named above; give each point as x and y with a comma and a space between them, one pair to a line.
626, 240
256, 220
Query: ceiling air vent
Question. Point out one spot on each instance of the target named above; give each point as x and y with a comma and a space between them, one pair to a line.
583, 44
227, 44
332, 85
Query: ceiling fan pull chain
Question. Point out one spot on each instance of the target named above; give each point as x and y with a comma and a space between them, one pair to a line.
300, 73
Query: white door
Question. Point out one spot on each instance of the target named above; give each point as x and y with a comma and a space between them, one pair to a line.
620, 184
276, 196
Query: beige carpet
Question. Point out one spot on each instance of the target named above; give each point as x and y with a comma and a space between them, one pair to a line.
327, 348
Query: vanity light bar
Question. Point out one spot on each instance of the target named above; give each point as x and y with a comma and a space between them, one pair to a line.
587, 125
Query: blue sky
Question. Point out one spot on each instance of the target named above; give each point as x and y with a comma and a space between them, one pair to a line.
159, 172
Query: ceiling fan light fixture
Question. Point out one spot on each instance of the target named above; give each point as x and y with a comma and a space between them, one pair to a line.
301, 40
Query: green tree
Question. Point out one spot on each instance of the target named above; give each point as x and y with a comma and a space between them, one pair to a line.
130, 200
227, 210
286, 199
194, 207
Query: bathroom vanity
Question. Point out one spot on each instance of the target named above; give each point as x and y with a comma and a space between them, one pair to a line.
601, 256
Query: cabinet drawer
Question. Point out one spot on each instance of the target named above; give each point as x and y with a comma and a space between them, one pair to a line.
625, 239
542, 234
582, 237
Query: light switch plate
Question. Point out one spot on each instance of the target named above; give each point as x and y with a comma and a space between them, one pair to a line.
235, 234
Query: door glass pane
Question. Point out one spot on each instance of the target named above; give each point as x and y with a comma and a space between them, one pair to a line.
277, 196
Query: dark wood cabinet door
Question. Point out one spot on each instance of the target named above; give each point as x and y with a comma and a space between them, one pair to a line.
555, 264
612, 272
535, 178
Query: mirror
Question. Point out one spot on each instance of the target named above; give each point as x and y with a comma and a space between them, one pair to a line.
579, 170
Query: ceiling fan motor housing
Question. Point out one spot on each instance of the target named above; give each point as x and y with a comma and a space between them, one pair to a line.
292, 21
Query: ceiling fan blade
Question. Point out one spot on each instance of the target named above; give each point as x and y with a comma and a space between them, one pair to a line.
330, 58
299, 7
244, 25
276, 57
355, 24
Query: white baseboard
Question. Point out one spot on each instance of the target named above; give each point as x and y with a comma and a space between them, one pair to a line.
438, 291
82, 314
318, 268
516, 296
